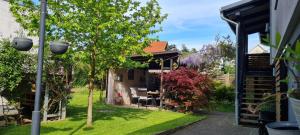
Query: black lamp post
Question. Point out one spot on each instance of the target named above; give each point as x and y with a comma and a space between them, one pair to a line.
25, 44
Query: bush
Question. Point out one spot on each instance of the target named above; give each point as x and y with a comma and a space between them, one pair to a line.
187, 88
224, 93
11, 66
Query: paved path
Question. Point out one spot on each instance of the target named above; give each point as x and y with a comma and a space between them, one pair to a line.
217, 124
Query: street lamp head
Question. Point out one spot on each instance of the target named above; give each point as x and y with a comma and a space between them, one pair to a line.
59, 47
22, 43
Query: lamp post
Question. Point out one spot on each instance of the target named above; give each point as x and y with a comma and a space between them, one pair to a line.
36, 118
25, 44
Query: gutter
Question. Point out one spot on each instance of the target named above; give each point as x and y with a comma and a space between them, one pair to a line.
237, 27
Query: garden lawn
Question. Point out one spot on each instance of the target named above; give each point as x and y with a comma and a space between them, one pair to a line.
107, 120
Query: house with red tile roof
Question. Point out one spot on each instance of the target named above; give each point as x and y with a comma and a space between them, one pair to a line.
130, 86
157, 46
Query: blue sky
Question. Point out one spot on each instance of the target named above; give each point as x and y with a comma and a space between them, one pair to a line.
195, 22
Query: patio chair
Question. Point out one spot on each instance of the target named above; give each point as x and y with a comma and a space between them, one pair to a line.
134, 96
143, 96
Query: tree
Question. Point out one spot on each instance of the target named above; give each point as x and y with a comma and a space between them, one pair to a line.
184, 49
194, 50
226, 47
103, 32
187, 88
172, 47
211, 56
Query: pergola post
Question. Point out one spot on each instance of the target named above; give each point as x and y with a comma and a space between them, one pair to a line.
161, 82
241, 48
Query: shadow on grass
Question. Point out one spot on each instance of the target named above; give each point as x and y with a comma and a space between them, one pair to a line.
25, 130
157, 128
78, 128
51, 129
105, 112
76, 118
78, 113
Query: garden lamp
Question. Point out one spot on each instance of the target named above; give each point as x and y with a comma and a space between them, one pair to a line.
25, 44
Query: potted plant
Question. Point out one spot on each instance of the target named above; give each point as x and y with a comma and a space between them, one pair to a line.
283, 128
267, 112
291, 59
119, 99
266, 115
293, 55
22, 43
59, 47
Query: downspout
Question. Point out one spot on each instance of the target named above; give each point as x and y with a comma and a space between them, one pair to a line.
237, 100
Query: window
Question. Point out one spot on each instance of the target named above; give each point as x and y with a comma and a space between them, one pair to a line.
130, 74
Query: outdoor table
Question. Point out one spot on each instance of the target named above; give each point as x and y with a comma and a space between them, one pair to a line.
142, 89
152, 95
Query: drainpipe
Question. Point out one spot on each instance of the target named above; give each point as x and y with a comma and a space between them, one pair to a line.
237, 67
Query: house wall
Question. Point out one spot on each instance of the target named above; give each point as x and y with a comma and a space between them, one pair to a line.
283, 18
8, 25
123, 86
286, 21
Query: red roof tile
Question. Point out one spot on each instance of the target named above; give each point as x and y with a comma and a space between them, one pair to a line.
157, 46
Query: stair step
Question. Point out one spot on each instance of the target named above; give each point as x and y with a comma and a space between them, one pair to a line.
259, 76
257, 84
254, 80
253, 94
246, 98
262, 79
244, 109
249, 121
249, 114
257, 89
249, 103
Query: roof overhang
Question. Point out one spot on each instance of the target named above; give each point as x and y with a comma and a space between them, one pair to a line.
157, 55
253, 15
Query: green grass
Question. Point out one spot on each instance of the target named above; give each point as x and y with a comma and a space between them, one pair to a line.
107, 120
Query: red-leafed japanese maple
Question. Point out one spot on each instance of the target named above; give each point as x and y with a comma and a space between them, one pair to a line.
186, 88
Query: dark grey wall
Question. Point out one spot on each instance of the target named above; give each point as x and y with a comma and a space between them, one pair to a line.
281, 17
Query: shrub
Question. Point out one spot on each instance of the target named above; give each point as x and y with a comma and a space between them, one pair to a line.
11, 66
187, 88
224, 93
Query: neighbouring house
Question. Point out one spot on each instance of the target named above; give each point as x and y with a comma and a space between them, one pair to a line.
123, 84
259, 73
258, 49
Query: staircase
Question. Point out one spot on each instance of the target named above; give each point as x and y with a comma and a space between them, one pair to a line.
257, 81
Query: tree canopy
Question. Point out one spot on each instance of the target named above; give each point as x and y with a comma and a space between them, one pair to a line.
212, 56
102, 33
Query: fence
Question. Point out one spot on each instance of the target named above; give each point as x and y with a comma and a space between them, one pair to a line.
227, 79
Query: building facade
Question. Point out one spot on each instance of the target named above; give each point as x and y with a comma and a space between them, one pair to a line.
278, 23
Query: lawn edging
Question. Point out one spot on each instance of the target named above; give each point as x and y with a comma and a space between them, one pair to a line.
170, 131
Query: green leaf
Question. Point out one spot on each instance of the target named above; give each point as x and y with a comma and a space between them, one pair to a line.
278, 39
297, 66
297, 47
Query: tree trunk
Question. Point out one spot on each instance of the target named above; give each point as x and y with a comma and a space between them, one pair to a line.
89, 122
